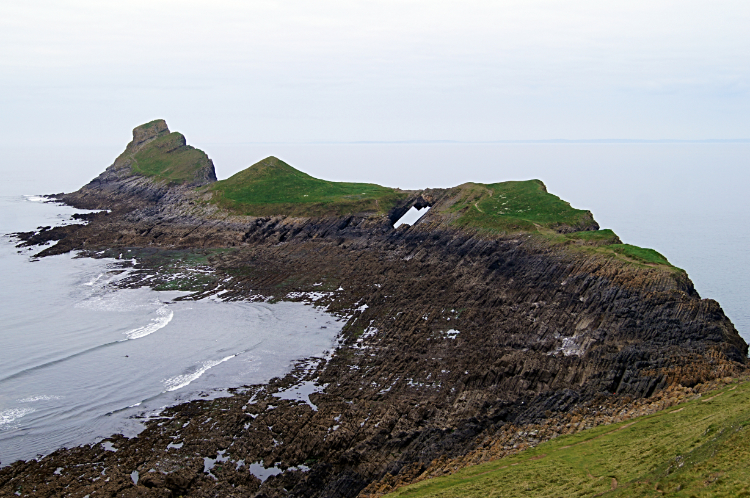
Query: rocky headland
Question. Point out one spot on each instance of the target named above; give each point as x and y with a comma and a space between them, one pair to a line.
502, 318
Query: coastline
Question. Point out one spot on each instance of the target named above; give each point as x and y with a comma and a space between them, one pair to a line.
71, 380
272, 266
455, 335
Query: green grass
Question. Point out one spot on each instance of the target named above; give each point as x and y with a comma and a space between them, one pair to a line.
169, 158
515, 206
640, 254
697, 449
272, 187
526, 206
607, 242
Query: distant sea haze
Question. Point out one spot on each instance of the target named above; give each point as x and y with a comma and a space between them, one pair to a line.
528, 141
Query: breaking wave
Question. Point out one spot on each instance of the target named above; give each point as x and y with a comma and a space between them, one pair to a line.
164, 317
179, 381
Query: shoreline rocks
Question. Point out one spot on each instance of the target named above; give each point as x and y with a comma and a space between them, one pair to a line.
455, 341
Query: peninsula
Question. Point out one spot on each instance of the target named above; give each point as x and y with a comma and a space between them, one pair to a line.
502, 318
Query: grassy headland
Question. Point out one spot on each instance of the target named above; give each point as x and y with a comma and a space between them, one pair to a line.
526, 206
272, 187
698, 448
514, 206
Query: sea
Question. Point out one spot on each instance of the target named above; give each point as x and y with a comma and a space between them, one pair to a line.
81, 358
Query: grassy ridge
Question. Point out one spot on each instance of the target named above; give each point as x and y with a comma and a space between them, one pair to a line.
699, 448
515, 205
272, 187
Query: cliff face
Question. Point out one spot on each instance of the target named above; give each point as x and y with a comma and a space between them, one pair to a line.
454, 333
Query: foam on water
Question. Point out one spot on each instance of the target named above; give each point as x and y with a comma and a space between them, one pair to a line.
94, 280
43, 397
100, 293
165, 315
181, 381
8, 416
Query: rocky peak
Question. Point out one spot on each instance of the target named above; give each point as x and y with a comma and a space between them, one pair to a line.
147, 132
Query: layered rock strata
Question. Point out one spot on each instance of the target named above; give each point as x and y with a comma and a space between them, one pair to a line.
453, 336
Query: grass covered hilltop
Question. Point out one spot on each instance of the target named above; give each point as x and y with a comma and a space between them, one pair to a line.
514, 206
272, 187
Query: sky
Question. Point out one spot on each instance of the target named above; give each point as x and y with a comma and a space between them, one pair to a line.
247, 79
76, 72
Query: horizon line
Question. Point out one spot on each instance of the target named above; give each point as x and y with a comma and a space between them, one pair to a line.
545, 141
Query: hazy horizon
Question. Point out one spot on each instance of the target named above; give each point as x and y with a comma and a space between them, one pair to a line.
83, 72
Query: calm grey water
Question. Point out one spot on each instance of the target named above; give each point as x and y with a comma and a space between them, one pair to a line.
79, 358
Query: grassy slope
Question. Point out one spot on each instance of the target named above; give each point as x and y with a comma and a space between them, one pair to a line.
272, 187
594, 237
606, 242
699, 448
169, 158
527, 206
511, 206
640, 254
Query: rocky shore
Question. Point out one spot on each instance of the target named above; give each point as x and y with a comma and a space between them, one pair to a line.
460, 345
